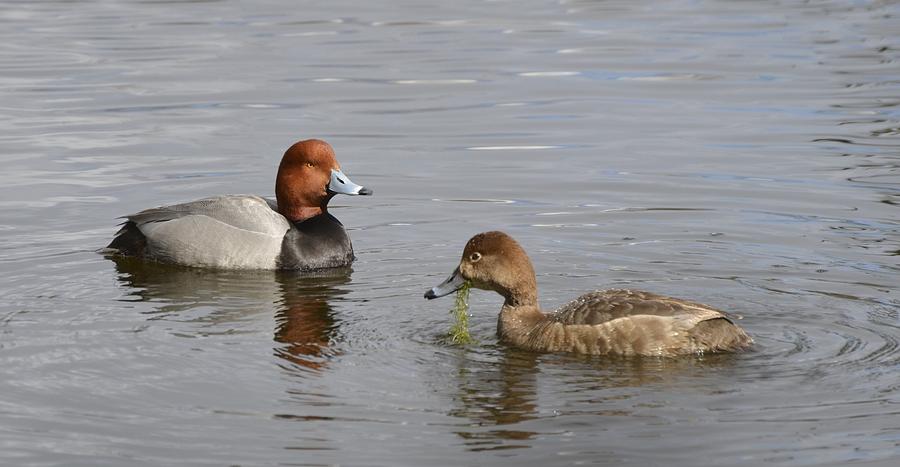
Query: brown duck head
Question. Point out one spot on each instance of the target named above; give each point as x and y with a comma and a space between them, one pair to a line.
493, 261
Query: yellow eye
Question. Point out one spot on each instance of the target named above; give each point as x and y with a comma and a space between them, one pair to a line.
310, 164
474, 257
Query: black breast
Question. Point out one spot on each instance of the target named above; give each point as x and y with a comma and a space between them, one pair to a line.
317, 243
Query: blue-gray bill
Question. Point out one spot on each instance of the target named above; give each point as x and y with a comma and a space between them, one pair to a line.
452, 284
341, 184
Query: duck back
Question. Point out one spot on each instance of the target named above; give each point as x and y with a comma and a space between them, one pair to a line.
606, 305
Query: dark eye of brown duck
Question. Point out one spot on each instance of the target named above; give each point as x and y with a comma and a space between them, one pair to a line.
310, 164
474, 257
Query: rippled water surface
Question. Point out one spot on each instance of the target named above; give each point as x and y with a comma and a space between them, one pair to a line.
742, 154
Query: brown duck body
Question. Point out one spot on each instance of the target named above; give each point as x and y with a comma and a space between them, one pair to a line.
606, 322
622, 322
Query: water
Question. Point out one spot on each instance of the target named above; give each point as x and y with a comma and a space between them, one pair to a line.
743, 154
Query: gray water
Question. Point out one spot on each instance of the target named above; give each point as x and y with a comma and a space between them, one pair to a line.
742, 154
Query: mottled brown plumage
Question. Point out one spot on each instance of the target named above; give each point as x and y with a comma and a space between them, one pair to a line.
608, 322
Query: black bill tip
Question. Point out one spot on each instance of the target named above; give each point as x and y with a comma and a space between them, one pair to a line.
365, 191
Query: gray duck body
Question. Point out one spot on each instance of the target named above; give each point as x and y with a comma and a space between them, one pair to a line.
293, 231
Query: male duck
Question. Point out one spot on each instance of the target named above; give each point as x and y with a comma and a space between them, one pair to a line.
609, 322
295, 231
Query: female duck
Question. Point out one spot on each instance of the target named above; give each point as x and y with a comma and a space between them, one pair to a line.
295, 231
609, 322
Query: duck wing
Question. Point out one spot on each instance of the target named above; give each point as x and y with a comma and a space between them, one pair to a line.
631, 322
245, 212
606, 305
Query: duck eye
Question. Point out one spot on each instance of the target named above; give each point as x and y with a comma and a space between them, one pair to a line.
310, 164
474, 257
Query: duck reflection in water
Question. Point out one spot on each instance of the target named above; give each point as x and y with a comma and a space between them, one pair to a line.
223, 303
499, 401
495, 396
305, 321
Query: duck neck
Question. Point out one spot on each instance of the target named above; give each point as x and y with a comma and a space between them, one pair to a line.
298, 208
301, 213
519, 289
526, 297
520, 312
516, 321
